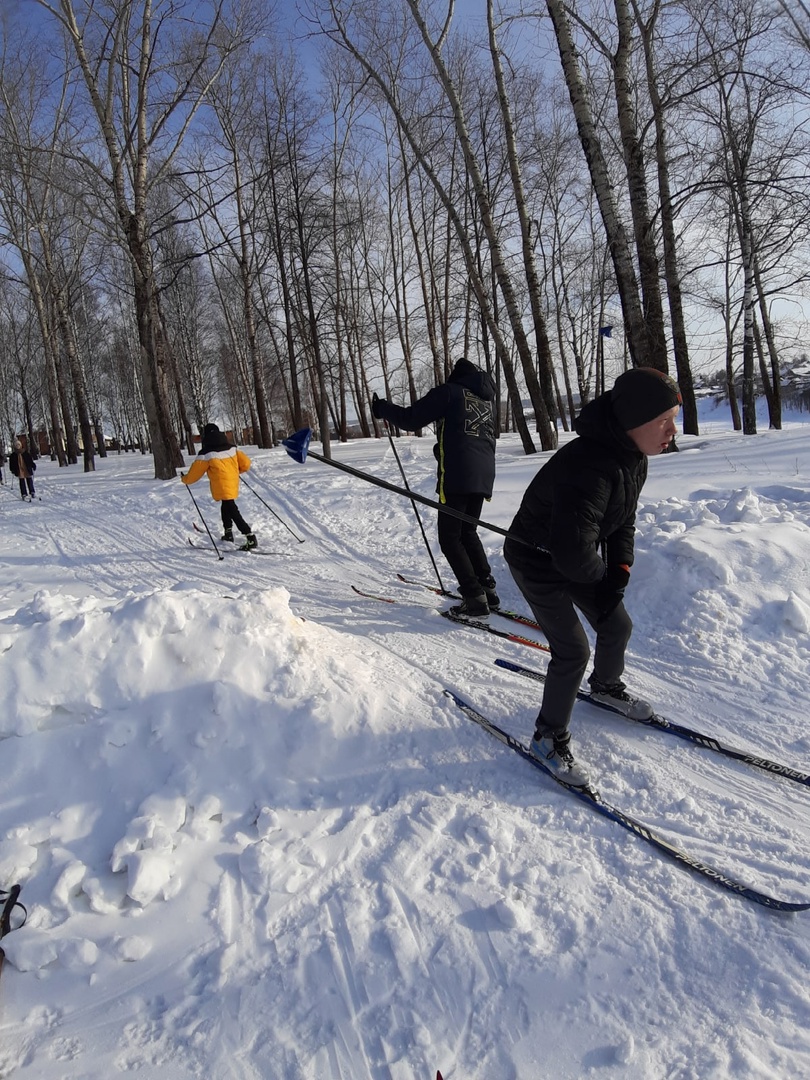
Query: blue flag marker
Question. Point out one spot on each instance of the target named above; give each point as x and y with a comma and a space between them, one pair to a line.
298, 444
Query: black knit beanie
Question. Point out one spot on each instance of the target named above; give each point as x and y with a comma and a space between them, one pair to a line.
210, 430
641, 394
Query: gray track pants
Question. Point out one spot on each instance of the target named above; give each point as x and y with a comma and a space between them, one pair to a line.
553, 605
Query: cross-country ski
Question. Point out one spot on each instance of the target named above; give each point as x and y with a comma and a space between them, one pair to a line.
590, 795
662, 723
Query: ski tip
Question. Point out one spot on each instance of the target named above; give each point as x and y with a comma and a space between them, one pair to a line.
298, 444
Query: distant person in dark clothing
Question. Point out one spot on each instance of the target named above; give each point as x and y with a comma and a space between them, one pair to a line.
23, 466
223, 463
580, 511
463, 410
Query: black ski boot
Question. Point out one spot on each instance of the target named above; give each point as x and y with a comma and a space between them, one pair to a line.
472, 607
493, 599
615, 695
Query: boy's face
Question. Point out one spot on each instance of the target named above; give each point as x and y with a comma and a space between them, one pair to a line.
656, 435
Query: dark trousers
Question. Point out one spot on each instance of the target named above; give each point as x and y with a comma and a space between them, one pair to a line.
553, 605
461, 545
231, 516
27, 481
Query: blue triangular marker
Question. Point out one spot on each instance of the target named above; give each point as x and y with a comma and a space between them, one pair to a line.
298, 444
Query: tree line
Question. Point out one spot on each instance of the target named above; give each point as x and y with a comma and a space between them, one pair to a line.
207, 212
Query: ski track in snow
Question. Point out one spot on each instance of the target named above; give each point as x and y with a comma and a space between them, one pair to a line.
340, 876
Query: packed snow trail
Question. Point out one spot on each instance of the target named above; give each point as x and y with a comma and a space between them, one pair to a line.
334, 875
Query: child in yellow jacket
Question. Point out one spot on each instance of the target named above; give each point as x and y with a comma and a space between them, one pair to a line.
223, 463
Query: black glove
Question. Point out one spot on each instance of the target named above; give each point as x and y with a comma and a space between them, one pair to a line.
378, 407
609, 592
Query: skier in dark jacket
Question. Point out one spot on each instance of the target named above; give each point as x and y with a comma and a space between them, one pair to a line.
463, 410
580, 511
23, 466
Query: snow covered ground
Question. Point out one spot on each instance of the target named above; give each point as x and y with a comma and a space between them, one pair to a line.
255, 840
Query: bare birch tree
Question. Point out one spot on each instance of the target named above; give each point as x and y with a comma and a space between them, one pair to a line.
616, 44
647, 23
757, 162
34, 146
544, 362
339, 30
634, 322
798, 14
147, 68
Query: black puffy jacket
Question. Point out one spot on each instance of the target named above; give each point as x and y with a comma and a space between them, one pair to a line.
586, 493
463, 409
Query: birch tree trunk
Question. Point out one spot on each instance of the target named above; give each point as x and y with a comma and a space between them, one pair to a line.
672, 276
53, 408
286, 298
77, 377
32, 219
749, 299
775, 397
263, 436
545, 364
648, 270
634, 324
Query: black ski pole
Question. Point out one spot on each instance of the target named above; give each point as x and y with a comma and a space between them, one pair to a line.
220, 556
413, 504
270, 508
297, 446
9, 900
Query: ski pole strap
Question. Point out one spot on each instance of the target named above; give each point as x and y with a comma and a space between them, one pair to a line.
297, 446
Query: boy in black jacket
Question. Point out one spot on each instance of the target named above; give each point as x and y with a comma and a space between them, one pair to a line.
463, 409
580, 511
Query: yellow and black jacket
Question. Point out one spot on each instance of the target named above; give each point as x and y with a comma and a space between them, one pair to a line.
222, 463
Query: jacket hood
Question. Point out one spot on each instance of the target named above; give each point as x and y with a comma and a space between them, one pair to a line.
597, 421
473, 379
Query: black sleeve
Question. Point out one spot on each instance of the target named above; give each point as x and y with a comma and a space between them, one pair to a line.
620, 546
426, 410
